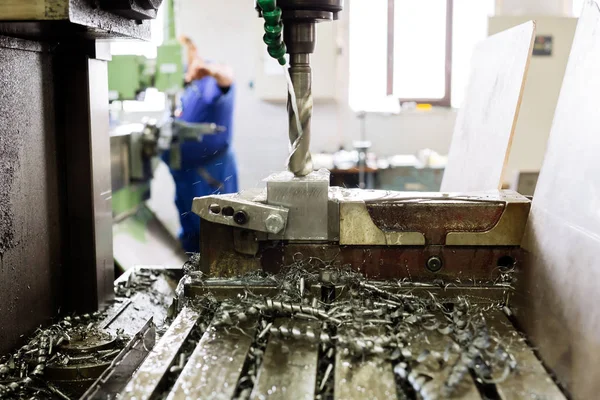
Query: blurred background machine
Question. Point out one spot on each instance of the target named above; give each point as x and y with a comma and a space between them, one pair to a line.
130, 75
139, 237
362, 168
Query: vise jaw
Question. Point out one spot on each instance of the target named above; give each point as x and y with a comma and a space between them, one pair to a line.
383, 233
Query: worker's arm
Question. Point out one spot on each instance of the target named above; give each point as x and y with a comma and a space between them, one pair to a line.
198, 69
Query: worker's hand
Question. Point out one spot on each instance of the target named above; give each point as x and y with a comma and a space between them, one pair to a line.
190, 48
198, 69
185, 40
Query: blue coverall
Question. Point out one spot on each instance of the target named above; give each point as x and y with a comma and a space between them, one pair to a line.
208, 166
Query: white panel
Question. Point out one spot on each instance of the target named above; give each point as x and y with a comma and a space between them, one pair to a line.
541, 90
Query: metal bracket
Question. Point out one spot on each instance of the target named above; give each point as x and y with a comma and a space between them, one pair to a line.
233, 210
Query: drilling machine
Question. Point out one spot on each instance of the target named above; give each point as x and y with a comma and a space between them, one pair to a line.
297, 287
306, 291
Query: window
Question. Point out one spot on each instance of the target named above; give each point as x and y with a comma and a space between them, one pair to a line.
413, 50
420, 50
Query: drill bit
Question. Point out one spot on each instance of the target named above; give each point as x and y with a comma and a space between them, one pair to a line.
300, 114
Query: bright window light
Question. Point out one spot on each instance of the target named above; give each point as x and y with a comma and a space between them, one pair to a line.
420, 49
368, 53
470, 27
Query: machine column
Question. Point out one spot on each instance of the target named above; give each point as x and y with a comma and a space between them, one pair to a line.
89, 274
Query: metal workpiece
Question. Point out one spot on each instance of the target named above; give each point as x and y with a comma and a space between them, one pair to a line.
234, 210
300, 160
495, 218
292, 208
307, 199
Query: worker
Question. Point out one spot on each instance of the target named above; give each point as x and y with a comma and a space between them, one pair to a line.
208, 166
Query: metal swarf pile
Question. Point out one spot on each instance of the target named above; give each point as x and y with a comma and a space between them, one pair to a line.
73, 342
421, 336
65, 358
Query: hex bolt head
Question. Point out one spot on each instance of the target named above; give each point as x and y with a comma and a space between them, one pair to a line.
434, 263
274, 223
240, 217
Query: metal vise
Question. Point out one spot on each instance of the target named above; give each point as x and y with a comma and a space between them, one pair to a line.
386, 235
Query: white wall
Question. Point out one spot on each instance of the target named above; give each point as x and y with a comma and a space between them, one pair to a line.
534, 7
225, 31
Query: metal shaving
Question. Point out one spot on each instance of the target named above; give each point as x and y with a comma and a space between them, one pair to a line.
253, 362
401, 317
21, 373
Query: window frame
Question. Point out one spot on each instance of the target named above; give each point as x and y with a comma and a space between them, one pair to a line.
445, 101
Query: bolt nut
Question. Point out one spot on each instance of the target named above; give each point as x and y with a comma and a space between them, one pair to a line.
434, 263
241, 217
274, 223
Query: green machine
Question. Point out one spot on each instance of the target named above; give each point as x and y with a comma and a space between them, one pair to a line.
139, 238
138, 235
130, 75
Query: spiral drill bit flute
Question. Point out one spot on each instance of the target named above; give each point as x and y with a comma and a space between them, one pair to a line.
298, 19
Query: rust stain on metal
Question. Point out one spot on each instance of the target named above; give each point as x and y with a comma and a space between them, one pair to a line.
435, 219
409, 262
57, 9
